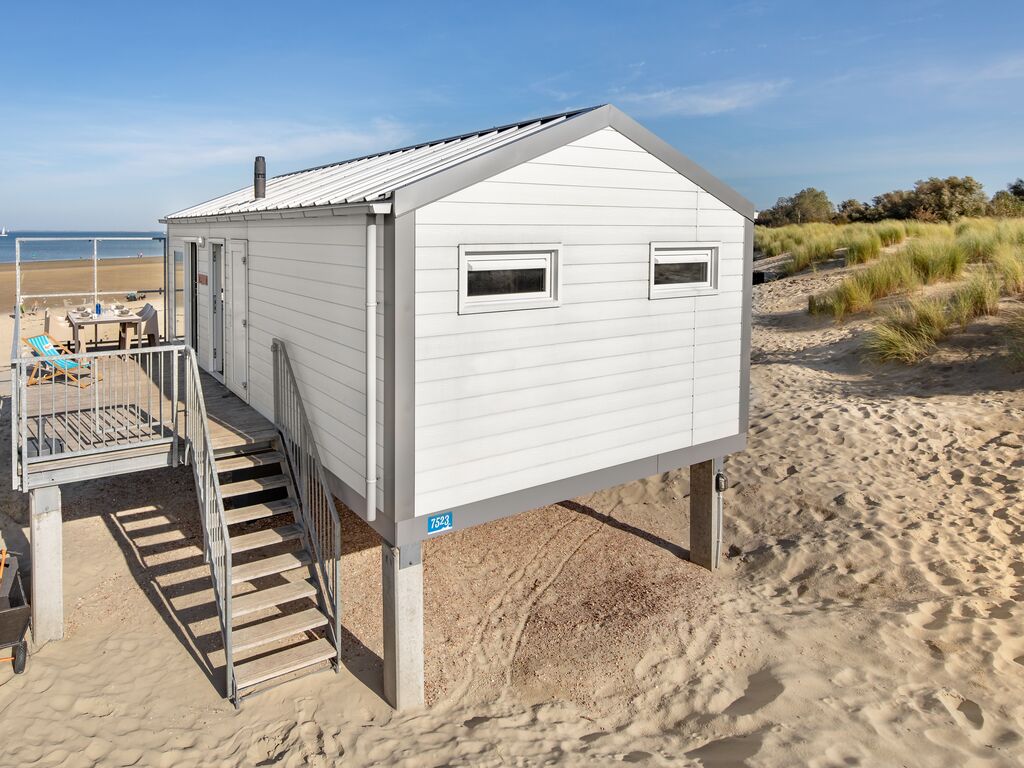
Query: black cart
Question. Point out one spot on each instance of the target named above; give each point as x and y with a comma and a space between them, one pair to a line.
14, 612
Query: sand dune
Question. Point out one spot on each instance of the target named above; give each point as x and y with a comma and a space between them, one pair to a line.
869, 612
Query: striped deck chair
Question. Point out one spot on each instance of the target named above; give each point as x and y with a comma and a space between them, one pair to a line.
53, 362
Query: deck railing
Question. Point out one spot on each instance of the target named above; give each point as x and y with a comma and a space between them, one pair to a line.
94, 403
216, 542
318, 515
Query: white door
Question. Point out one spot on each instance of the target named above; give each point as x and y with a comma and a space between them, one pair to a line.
217, 323
236, 319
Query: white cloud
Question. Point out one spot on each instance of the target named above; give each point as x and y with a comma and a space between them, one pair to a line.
154, 145
705, 99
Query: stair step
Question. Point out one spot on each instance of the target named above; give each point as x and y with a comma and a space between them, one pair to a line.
258, 511
265, 538
242, 487
248, 461
261, 599
239, 449
277, 629
268, 566
250, 673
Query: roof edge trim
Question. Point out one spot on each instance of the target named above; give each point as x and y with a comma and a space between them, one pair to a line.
451, 180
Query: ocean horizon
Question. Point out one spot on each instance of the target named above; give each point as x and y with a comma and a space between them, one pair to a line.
71, 250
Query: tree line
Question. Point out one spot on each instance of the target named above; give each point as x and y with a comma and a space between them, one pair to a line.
931, 199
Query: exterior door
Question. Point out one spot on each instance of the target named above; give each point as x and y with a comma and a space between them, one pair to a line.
236, 319
217, 307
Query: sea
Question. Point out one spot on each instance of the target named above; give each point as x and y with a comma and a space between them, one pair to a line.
68, 250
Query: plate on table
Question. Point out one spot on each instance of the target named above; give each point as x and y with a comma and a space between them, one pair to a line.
123, 312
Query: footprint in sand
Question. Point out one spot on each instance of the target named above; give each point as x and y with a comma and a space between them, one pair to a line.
762, 689
729, 752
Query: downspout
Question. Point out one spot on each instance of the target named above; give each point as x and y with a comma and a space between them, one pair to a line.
372, 222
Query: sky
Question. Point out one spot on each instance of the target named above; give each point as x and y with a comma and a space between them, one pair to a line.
114, 114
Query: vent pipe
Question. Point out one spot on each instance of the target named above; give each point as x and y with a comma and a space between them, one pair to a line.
259, 177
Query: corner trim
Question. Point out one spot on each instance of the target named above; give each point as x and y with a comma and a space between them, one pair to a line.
400, 370
747, 327
475, 513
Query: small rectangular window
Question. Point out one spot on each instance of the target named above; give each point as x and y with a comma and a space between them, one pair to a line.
683, 269
503, 277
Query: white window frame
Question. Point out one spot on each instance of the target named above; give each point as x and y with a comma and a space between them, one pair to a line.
702, 252
496, 256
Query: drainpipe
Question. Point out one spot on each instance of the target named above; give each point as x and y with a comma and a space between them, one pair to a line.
371, 366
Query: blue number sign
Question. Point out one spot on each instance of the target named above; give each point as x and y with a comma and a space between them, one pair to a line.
439, 523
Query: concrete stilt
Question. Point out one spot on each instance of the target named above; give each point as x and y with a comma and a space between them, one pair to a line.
402, 584
47, 567
705, 514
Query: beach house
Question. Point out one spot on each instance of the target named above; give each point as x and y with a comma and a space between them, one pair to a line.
440, 336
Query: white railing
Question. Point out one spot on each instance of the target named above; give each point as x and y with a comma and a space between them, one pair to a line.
90, 404
16, 470
317, 513
216, 542
95, 404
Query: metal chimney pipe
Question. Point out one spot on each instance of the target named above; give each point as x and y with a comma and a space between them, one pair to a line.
259, 177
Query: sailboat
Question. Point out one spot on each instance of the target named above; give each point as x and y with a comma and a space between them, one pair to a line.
3, 231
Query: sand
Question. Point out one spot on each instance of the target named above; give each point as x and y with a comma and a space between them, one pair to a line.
869, 611
75, 278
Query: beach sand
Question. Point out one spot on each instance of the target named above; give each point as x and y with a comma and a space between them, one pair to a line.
869, 611
75, 278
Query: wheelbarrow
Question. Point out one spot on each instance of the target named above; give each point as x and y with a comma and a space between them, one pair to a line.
14, 612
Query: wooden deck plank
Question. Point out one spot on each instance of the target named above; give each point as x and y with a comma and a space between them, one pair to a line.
129, 406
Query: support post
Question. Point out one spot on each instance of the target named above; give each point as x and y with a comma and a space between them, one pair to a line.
706, 486
47, 567
402, 582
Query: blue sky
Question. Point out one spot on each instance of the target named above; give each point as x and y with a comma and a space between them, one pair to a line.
113, 114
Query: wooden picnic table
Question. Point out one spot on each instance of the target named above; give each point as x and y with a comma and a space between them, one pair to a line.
107, 316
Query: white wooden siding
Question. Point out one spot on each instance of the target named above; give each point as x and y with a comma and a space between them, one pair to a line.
306, 287
510, 400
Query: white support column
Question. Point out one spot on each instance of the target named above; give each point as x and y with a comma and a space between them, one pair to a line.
706, 513
47, 567
402, 584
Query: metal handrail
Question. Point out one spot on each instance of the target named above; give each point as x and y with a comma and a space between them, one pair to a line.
317, 513
216, 541
15, 403
129, 400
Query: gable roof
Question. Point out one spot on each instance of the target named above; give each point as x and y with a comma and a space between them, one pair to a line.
418, 174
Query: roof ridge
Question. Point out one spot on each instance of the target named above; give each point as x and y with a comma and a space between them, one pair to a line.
517, 124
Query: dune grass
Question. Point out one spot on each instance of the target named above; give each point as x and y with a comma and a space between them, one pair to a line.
1007, 262
908, 333
920, 263
1015, 337
810, 244
861, 245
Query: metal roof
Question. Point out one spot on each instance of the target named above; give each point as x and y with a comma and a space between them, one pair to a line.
371, 178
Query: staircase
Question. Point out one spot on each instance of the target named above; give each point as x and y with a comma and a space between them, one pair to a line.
272, 538
279, 625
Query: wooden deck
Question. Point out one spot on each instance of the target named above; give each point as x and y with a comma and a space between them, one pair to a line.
233, 423
131, 418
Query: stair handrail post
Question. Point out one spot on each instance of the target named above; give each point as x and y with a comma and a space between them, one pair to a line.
303, 456
217, 542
